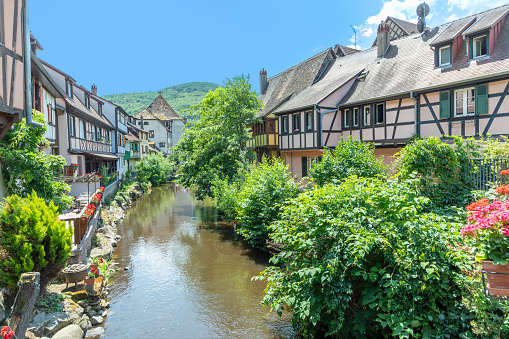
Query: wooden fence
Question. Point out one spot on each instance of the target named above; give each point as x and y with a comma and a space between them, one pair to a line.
482, 174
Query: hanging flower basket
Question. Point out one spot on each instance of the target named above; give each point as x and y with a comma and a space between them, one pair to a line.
498, 278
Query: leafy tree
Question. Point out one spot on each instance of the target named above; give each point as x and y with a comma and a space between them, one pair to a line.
26, 169
266, 188
32, 239
350, 157
362, 260
155, 169
216, 144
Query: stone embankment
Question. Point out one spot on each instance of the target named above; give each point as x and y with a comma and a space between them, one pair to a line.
84, 312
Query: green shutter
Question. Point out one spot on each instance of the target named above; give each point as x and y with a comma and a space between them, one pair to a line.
481, 99
445, 105
304, 167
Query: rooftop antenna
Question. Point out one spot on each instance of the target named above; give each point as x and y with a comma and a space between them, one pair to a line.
422, 12
355, 34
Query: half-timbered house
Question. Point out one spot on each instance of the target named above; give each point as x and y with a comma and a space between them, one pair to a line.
281, 88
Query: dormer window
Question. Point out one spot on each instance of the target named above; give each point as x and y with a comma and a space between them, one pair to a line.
68, 88
87, 101
444, 56
480, 46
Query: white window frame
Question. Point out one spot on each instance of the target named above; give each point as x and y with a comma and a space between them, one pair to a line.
365, 116
485, 36
465, 102
355, 116
309, 127
440, 63
284, 124
345, 117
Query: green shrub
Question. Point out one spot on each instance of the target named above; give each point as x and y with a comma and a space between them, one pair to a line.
350, 157
362, 260
32, 239
264, 191
26, 169
155, 169
226, 194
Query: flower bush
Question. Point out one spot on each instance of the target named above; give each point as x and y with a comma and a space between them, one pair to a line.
89, 211
72, 165
6, 332
488, 226
97, 197
101, 189
94, 273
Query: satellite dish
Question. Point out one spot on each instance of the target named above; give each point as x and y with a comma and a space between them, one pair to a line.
422, 10
421, 25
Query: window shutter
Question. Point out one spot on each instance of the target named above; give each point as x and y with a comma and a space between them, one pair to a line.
304, 167
445, 105
481, 99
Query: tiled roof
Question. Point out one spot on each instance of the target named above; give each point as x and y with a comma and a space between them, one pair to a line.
453, 30
56, 69
131, 137
287, 84
343, 70
408, 27
76, 103
409, 66
486, 19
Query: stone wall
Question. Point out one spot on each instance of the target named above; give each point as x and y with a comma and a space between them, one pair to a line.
109, 192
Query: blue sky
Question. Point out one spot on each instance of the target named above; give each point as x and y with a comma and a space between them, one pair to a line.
136, 46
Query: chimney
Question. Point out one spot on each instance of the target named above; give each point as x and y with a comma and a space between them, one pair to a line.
383, 39
263, 80
94, 89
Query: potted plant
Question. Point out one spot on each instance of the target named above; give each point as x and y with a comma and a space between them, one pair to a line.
96, 199
90, 280
89, 211
488, 230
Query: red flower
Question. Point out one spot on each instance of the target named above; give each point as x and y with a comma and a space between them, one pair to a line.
473, 206
89, 211
505, 172
9, 334
101, 260
503, 190
4, 330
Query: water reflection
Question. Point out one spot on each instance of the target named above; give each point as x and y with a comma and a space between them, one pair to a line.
189, 277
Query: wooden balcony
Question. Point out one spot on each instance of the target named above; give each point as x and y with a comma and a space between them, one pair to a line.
89, 145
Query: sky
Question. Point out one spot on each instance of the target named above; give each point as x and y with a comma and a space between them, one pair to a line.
137, 46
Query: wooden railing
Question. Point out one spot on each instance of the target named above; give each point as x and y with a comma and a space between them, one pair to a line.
89, 145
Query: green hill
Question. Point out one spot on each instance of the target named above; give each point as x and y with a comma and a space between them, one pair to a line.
180, 97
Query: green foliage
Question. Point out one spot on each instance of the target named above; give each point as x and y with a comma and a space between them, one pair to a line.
26, 169
363, 260
226, 192
155, 169
216, 144
50, 302
350, 157
180, 97
266, 188
441, 168
32, 239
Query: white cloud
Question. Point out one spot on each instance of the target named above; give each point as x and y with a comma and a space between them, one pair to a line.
452, 17
474, 6
317, 48
353, 46
404, 10
367, 31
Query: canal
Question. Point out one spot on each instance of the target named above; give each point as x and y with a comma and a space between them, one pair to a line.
188, 276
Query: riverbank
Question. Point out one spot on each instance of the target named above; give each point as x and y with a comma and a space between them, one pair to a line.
66, 311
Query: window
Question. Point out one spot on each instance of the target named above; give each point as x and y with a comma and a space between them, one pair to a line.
296, 122
162, 144
271, 126
68, 88
72, 126
284, 124
87, 101
304, 167
150, 134
94, 135
346, 113
50, 115
480, 46
379, 114
145, 123
367, 116
444, 56
100, 109
107, 135
355, 117
309, 120
464, 102
83, 130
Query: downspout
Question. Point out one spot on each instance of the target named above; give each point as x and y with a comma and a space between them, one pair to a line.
321, 122
415, 111
28, 73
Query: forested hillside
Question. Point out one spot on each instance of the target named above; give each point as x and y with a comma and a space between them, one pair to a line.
180, 97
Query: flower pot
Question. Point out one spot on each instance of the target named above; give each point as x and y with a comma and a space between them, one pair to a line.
498, 278
94, 266
90, 281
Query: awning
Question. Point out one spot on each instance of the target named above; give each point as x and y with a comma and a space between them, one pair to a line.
107, 156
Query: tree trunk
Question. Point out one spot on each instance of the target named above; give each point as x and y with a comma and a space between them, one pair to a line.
23, 307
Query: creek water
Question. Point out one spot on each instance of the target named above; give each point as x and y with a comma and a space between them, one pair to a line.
189, 276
